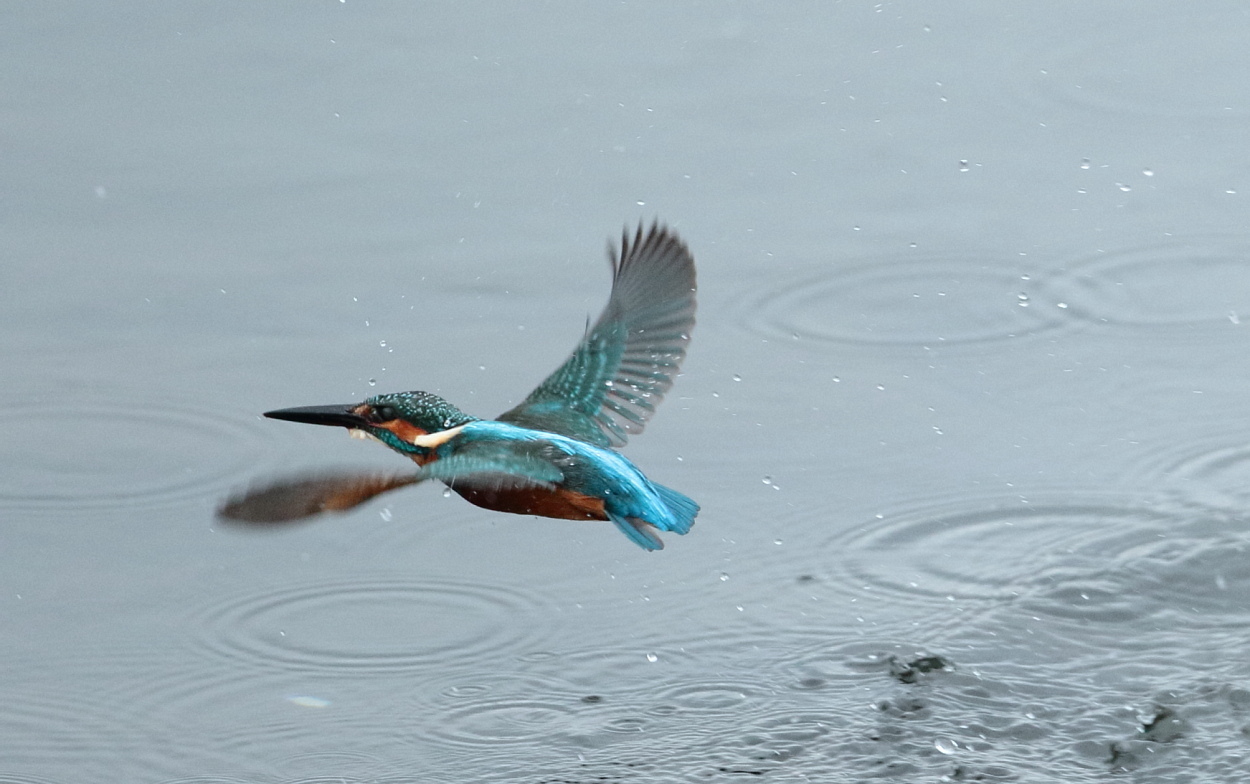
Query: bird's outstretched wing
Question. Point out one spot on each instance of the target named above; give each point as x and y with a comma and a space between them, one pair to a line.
495, 466
610, 386
297, 498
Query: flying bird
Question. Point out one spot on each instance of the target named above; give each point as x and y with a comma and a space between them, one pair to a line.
553, 455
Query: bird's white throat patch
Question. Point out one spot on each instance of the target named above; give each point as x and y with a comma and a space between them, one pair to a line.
435, 440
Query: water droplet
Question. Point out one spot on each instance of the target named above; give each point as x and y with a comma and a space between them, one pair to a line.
307, 701
880, 387
1022, 300
963, 166
385, 514
737, 377
777, 541
1061, 305
1148, 172
446, 492
373, 382
837, 380
1233, 317
1085, 163
382, 343
768, 480
1231, 192
724, 577
651, 657
1123, 187
945, 745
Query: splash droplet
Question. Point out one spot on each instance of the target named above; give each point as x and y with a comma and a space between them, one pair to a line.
307, 701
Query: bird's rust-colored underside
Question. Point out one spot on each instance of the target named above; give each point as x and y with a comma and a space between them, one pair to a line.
558, 503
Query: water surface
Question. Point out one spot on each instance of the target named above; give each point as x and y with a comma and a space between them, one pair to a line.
964, 406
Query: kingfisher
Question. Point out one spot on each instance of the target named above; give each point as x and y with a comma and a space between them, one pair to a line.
554, 454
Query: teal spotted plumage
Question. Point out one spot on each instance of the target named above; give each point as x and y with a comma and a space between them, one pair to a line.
552, 455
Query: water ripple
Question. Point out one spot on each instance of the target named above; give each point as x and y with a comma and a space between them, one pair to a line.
1214, 472
991, 554
1183, 283
1113, 73
46, 727
515, 720
1050, 580
105, 456
908, 302
377, 626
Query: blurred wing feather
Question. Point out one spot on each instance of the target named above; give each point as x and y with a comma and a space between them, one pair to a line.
495, 466
297, 498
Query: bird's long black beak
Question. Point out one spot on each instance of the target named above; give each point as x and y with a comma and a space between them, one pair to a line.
341, 416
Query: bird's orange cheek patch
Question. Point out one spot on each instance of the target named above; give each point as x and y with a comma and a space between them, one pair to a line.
404, 430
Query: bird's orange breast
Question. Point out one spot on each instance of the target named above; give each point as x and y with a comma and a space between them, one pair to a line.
558, 503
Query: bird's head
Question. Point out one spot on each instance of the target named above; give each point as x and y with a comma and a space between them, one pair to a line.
401, 420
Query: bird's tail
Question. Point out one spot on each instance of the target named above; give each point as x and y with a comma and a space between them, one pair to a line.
682, 507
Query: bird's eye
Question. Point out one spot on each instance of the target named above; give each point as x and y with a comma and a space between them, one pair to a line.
384, 414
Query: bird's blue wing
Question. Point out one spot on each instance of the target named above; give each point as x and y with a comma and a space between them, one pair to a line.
496, 465
610, 386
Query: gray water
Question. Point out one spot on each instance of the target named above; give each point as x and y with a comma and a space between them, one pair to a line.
965, 406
